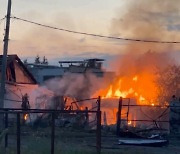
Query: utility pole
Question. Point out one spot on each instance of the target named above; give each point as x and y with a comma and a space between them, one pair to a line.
4, 62
4, 59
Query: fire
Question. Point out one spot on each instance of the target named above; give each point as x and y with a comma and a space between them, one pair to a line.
109, 93
25, 117
135, 78
141, 98
141, 87
129, 122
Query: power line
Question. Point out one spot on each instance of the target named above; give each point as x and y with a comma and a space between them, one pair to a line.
96, 35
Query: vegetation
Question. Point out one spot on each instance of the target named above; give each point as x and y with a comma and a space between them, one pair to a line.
38, 61
71, 141
169, 83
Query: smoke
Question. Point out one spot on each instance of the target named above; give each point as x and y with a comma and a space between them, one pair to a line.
132, 63
74, 86
148, 20
79, 86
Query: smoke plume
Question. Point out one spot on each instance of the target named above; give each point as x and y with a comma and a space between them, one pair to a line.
148, 20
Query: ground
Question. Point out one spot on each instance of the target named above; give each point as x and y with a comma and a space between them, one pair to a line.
78, 141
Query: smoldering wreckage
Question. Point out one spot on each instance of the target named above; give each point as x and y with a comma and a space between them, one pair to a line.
127, 102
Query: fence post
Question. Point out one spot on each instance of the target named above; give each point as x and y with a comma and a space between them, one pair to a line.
128, 111
119, 117
98, 130
6, 127
52, 132
87, 116
18, 134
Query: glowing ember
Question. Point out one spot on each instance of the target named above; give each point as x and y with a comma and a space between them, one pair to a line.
129, 122
25, 117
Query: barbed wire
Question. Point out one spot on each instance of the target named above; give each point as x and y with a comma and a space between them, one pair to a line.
95, 35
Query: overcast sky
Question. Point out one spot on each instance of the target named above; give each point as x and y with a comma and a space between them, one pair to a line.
125, 18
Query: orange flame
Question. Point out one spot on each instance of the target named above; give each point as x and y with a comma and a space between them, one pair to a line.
135, 78
129, 122
25, 117
141, 87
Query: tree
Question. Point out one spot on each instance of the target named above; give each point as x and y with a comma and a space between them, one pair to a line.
168, 82
37, 60
45, 61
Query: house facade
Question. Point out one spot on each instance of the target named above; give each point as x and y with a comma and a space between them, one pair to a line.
43, 72
18, 81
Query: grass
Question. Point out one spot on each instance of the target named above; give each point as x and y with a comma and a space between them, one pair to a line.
70, 141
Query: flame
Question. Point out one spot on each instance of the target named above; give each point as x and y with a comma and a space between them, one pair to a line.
141, 87
141, 98
129, 122
25, 117
109, 93
135, 78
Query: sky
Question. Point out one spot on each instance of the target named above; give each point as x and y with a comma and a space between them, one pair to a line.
150, 19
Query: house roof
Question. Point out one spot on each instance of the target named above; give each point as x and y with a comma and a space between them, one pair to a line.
11, 58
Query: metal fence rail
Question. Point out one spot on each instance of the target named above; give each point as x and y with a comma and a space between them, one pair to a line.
157, 120
19, 112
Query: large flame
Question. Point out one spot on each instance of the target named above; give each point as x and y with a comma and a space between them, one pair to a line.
142, 87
